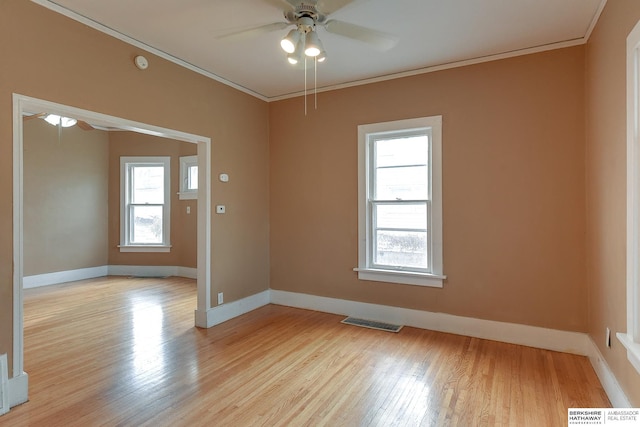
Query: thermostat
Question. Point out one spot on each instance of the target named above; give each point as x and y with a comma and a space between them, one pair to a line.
224, 177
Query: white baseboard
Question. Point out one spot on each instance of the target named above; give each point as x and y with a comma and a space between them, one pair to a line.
152, 271
609, 382
105, 270
188, 272
4, 384
532, 336
224, 312
63, 276
18, 389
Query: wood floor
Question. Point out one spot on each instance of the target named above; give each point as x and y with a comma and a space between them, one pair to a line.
124, 352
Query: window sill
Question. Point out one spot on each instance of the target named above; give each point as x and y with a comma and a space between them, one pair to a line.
188, 195
633, 349
402, 277
145, 248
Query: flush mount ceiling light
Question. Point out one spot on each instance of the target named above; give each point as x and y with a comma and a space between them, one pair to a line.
56, 120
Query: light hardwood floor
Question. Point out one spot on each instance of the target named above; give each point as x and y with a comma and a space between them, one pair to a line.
124, 351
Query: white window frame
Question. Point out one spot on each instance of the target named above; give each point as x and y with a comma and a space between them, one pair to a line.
125, 167
366, 270
187, 193
631, 339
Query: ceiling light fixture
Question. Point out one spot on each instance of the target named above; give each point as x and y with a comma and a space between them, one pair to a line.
290, 42
301, 43
312, 44
56, 120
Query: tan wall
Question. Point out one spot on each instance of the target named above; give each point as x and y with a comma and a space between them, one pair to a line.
606, 185
183, 226
513, 190
96, 72
65, 198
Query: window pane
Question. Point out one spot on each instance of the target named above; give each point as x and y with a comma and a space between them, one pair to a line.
402, 183
401, 249
401, 216
147, 224
402, 151
192, 178
147, 184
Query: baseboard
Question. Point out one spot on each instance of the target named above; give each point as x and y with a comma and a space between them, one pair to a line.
4, 384
224, 312
609, 382
63, 276
152, 271
105, 270
188, 272
18, 389
532, 336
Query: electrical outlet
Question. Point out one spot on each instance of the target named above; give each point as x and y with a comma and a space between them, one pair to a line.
608, 343
220, 297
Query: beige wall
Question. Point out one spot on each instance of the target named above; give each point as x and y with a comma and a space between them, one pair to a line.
513, 190
65, 198
96, 72
183, 226
606, 185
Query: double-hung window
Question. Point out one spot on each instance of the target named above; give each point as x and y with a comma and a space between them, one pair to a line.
188, 177
145, 204
400, 212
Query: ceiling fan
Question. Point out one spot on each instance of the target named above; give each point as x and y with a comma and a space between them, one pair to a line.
307, 16
59, 121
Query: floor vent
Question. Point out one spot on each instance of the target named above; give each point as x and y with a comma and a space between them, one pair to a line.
372, 324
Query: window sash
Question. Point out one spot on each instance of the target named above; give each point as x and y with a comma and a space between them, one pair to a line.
373, 203
188, 186
128, 228
132, 240
374, 228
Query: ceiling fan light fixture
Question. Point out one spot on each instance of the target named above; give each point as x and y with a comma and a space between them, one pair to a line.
322, 56
293, 58
313, 45
289, 43
56, 120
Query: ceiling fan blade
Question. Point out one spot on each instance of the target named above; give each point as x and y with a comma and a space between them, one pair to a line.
378, 39
328, 7
84, 125
289, 4
251, 32
33, 116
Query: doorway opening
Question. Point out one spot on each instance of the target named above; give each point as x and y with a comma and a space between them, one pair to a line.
23, 104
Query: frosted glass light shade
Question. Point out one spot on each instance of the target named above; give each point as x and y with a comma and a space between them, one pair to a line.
289, 43
55, 120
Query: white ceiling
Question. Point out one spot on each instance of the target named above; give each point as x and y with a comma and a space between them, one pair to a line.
432, 33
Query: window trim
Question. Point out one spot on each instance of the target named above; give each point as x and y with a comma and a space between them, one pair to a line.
185, 163
631, 339
436, 276
125, 245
